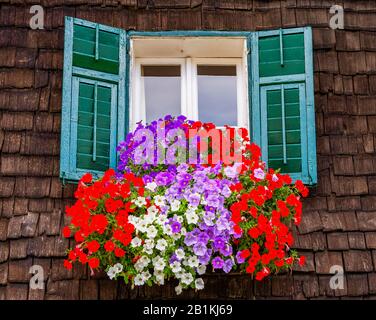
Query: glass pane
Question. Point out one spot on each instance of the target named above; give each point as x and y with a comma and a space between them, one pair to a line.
217, 93
162, 86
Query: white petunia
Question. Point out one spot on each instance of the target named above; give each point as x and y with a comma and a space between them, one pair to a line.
161, 219
111, 273
175, 205
159, 265
145, 275
160, 280
139, 266
183, 231
144, 260
153, 210
141, 226
149, 244
140, 202
176, 267
136, 242
118, 267
193, 261
175, 236
201, 269
161, 244
133, 219
147, 251
158, 273
199, 284
159, 200
167, 229
187, 278
138, 280
178, 289
151, 186
151, 232
180, 254
192, 218
191, 208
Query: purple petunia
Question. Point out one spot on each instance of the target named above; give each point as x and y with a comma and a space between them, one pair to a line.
175, 227
226, 250
199, 249
203, 238
190, 239
204, 259
219, 243
239, 258
194, 199
164, 178
227, 266
173, 258
217, 263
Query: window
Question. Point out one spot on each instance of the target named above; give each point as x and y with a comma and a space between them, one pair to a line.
114, 78
193, 77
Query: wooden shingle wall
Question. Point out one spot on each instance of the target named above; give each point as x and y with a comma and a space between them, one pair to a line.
339, 221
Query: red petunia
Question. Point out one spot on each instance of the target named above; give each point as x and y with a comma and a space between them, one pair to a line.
82, 257
289, 260
67, 264
302, 188
113, 205
262, 274
94, 263
279, 263
283, 208
245, 253
253, 212
87, 178
286, 178
119, 252
66, 232
302, 260
292, 200
254, 233
109, 246
78, 237
238, 230
93, 246
99, 223
72, 255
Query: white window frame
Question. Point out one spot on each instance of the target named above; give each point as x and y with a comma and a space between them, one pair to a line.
189, 89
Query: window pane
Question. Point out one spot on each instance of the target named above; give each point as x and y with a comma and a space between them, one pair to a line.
217, 93
162, 86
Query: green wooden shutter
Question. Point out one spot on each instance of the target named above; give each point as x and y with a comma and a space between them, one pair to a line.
94, 98
282, 117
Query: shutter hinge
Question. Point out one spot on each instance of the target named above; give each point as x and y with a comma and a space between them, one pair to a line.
63, 179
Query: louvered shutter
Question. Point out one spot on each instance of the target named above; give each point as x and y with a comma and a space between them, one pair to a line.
94, 99
283, 121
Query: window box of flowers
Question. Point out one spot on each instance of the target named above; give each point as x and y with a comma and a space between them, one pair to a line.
170, 213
